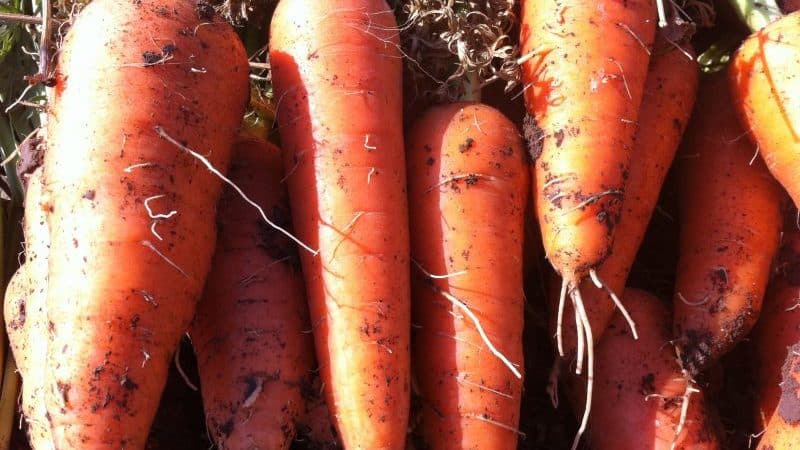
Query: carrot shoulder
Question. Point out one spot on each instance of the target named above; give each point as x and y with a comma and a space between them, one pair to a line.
766, 91
137, 84
468, 188
254, 354
730, 226
337, 76
669, 95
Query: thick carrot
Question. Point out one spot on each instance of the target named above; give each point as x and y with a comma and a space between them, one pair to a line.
468, 187
778, 327
137, 85
669, 95
337, 73
766, 92
643, 400
26, 316
584, 72
730, 224
254, 354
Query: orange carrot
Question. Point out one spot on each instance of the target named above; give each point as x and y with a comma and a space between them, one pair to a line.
766, 92
253, 354
783, 429
730, 222
778, 327
26, 316
468, 188
669, 95
584, 73
137, 85
643, 400
337, 77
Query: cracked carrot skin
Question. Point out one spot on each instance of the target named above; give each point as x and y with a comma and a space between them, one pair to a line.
584, 81
640, 387
254, 355
468, 188
668, 98
26, 316
337, 77
765, 87
121, 293
730, 222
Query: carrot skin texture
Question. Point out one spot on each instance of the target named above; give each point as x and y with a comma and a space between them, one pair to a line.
120, 294
584, 87
468, 189
783, 429
639, 387
730, 223
253, 356
766, 92
337, 74
26, 316
778, 327
668, 98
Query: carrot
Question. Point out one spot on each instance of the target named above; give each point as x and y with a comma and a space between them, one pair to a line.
337, 73
766, 93
253, 355
730, 222
137, 85
584, 73
468, 188
26, 316
783, 429
315, 430
778, 327
643, 400
669, 95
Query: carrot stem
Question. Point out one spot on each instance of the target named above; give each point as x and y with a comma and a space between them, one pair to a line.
472, 88
757, 14
20, 18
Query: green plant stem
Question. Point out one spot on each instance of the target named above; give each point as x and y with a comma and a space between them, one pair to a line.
757, 14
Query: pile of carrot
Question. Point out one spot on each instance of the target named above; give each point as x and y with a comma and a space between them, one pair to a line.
348, 280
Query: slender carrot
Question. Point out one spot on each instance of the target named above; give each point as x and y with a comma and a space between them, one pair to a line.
669, 95
254, 355
468, 188
778, 327
730, 223
337, 77
137, 85
584, 73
